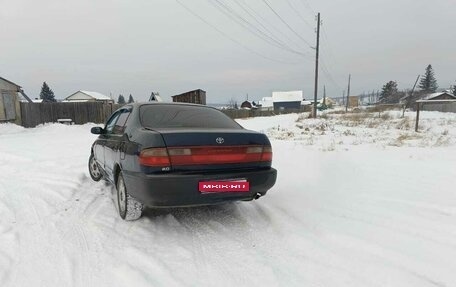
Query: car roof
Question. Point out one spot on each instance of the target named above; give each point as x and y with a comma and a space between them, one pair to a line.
139, 104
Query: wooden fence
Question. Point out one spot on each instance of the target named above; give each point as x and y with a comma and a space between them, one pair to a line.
434, 105
241, 114
34, 114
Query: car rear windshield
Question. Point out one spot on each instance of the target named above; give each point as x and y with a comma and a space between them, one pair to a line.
184, 116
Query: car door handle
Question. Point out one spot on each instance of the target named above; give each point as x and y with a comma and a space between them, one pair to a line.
122, 150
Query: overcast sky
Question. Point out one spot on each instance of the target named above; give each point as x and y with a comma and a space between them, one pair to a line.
138, 46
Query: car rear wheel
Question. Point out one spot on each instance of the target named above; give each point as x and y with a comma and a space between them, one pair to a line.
94, 169
129, 207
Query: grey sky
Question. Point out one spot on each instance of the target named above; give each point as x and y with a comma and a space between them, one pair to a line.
139, 46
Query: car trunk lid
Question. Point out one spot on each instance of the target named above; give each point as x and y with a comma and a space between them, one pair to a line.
218, 149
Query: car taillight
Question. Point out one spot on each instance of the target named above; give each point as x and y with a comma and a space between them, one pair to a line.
219, 155
267, 154
157, 157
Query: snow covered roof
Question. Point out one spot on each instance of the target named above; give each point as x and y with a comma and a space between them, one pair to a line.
435, 95
155, 97
291, 96
328, 101
267, 102
85, 95
96, 95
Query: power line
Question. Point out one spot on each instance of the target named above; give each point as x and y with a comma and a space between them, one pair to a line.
328, 46
307, 5
328, 75
255, 16
286, 24
230, 13
228, 36
300, 16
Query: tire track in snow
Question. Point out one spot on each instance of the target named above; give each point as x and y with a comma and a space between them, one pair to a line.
213, 235
63, 229
38, 233
82, 210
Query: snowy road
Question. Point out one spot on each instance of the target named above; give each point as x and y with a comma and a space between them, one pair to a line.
353, 215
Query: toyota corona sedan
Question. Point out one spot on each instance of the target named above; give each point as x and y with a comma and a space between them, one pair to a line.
179, 155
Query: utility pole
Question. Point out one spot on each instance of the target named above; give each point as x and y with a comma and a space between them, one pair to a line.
324, 95
348, 93
414, 86
409, 99
316, 66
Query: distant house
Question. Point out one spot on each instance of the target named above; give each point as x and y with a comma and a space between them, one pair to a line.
155, 97
353, 101
194, 97
10, 109
445, 107
327, 101
266, 104
287, 100
86, 96
439, 96
420, 95
246, 105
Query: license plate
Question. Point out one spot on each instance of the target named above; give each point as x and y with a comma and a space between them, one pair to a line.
240, 185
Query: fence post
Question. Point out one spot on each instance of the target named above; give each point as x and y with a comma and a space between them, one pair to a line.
417, 116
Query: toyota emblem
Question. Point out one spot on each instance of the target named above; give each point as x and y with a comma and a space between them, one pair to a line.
220, 140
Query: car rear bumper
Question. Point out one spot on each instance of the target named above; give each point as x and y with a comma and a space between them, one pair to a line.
176, 190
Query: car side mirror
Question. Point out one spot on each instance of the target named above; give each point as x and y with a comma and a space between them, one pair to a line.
97, 131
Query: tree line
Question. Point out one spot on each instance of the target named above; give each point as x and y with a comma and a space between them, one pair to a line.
121, 99
428, 84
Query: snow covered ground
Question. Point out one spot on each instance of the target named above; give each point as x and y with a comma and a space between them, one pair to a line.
361, 200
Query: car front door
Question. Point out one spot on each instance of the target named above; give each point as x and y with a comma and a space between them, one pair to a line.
114, 141
103, 151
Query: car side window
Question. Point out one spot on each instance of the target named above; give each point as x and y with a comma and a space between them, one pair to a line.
119, 126
111, 122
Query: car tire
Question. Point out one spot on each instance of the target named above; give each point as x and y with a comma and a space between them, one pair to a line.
94, 169
129, 208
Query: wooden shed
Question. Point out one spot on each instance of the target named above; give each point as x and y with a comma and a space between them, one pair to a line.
10, 110
444, 102
194, 97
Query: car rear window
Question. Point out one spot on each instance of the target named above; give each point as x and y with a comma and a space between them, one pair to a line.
184, 116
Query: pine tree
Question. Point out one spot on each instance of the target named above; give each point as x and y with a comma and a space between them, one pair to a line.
428, 82
47, 95
130, 99
121, 100
388, 91
454, 90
